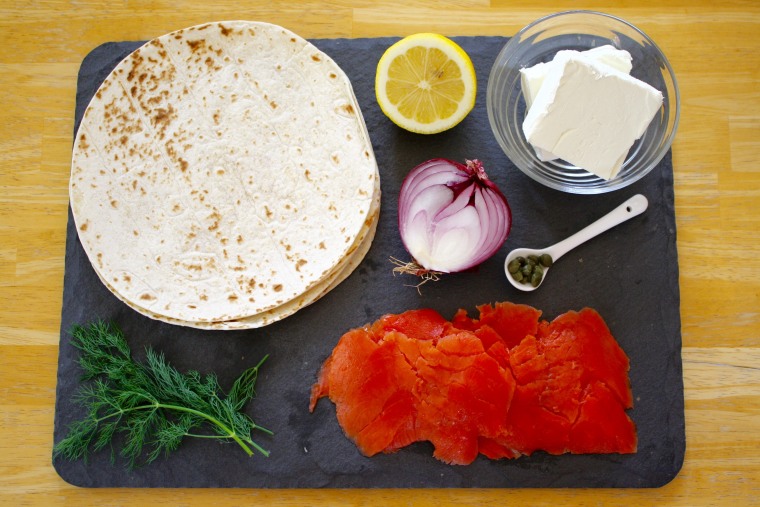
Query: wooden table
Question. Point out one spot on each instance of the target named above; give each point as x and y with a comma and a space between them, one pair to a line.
714, 48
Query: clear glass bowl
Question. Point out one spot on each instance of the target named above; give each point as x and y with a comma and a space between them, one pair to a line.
579, 30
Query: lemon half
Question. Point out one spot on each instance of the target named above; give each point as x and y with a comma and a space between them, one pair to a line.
425, 83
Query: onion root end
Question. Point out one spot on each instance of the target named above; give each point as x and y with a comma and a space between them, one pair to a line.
412, 268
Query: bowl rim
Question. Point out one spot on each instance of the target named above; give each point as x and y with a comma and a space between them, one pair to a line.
675, 100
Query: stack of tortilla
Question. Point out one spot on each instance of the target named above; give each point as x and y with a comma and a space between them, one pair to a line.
223, 177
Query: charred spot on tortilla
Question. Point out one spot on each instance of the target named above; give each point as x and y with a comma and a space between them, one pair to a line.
196, 45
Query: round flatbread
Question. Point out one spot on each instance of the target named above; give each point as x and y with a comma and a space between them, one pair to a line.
289, 308
222, 171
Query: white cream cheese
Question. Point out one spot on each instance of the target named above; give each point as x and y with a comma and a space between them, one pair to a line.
531, 78
590, 114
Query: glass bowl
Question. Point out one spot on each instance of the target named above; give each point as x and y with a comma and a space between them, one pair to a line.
579, 30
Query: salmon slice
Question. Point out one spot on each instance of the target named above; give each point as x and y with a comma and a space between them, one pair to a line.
463, 393
564, 374
584, 336
511, 321
392, 429
532, 427
504, 385
423, 324
602, 426
365, 380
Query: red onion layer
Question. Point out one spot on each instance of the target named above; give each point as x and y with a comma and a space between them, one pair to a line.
451, 216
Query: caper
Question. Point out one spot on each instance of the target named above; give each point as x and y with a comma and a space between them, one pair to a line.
529, 270
546, 260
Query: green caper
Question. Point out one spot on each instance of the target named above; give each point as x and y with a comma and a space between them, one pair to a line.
529, 270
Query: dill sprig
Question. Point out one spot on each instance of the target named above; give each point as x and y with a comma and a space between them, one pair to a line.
151, 405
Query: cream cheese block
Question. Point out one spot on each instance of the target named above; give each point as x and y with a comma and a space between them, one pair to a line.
590, 114
531, 78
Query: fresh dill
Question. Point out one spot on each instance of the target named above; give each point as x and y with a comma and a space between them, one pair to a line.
151, 406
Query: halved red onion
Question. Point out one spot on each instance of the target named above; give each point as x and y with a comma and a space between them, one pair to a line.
451, 216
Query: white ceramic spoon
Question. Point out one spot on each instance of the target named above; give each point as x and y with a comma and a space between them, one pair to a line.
629, 209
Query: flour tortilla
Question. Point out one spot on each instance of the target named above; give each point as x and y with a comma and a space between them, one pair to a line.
222, 171
285, 310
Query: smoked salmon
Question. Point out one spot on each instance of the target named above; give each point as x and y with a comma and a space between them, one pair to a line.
504, 385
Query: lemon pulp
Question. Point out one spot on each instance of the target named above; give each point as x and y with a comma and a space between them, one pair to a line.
425, 83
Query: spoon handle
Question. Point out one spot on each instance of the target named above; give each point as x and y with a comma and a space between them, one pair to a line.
629, 209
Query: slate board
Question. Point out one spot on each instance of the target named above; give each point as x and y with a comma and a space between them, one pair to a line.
629, 275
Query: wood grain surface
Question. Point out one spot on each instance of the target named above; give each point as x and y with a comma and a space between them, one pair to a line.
714, 47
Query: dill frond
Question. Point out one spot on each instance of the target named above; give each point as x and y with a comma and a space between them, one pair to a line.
151, 406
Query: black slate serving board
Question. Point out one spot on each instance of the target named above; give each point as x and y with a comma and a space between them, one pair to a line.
629, 275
